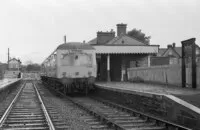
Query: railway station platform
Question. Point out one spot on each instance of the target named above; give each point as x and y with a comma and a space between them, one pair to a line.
190, 95
6, 82
179, 105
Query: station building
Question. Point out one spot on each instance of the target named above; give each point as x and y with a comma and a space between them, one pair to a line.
14, 64
14, 68
117, 53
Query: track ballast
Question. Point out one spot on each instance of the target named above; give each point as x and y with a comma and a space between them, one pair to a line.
27, 111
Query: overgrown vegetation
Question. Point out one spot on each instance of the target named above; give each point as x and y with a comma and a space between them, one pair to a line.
138, 34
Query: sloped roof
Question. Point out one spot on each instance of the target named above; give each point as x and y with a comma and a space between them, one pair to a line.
93, 41
14, 59
178, 50
125, 40
75, 45
173, 52
161, 51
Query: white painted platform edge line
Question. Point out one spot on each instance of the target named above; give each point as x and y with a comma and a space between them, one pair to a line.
184, 103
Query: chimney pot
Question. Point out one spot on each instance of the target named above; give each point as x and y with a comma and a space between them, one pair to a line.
65, 39
173, 45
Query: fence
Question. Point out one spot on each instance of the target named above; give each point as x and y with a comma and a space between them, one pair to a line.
168, 74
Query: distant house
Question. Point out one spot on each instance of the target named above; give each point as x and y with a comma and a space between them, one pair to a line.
14, 64
171, 55
14, 69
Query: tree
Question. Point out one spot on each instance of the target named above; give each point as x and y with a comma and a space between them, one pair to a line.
33, 67
29, 62
138, 34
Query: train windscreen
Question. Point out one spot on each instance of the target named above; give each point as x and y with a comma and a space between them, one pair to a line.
77, 59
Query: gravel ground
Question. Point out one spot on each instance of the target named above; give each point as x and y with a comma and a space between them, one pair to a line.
72, 115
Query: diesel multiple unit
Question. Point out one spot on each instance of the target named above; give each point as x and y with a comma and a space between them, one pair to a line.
71, 67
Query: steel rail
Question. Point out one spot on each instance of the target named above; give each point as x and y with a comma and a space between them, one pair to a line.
10, 106
50, 123
167, 123
102, 118
98, 115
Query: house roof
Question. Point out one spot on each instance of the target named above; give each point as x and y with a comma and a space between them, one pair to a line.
93, 41
75, 45
161, 51
177, 50
15, 60
123, 39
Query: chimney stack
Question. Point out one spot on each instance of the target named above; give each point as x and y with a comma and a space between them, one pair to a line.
121, 29
168, 46
104, 37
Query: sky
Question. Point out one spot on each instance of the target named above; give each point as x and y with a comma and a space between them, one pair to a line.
32, 29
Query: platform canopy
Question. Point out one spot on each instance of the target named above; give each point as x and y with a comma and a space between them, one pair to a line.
126, 49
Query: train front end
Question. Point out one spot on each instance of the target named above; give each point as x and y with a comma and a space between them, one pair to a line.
76, 67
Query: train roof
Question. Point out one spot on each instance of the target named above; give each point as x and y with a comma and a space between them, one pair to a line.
75, 45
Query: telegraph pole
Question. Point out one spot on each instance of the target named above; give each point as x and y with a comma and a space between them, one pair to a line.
65, 41
8, 57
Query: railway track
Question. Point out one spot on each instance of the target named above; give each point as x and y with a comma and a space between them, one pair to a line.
90, 122
118, 117
27, 111
8, 99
